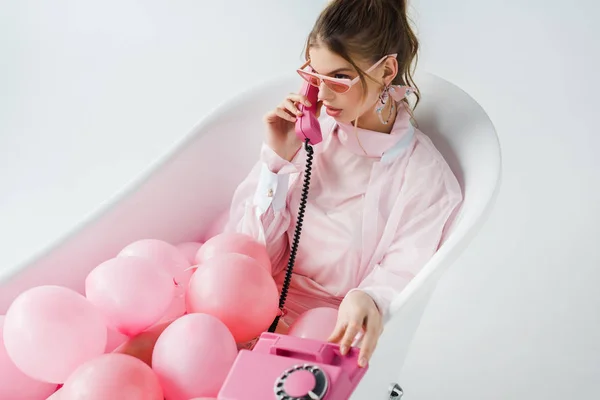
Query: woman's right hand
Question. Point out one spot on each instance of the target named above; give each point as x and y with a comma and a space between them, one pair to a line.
281, 135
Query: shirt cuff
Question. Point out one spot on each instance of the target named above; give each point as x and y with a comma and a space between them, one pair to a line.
272, 190
274, 179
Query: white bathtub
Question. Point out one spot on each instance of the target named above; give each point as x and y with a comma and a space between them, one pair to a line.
179, 197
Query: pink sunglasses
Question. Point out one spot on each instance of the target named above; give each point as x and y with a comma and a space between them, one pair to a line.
335, 84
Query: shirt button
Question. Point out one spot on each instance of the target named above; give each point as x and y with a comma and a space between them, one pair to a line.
270, 192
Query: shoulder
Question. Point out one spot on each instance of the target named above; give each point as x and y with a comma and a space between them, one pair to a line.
427, 169
425, 152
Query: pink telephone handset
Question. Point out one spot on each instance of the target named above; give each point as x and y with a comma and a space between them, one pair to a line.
307, 125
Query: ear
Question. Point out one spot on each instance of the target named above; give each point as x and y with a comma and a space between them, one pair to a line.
390, 70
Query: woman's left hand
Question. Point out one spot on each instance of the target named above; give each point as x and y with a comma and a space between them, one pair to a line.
358, 313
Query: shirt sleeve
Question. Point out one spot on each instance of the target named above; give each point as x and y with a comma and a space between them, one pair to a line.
430, 196
259, 206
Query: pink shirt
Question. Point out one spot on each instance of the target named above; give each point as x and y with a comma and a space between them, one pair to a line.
372, 220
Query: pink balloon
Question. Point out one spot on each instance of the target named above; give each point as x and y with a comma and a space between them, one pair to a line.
234, 243
167, 255
235, 289
317, 323
14, 384
189, 250
50, 330
112, 376
132, 292
193, 356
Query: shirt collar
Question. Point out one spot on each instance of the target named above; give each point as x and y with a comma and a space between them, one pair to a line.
369, 143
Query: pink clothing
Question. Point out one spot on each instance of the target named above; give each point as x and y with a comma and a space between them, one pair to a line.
378, 205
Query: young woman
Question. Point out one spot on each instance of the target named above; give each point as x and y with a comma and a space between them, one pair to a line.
380, 196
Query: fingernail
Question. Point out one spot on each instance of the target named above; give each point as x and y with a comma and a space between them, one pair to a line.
308, 103
343, 349
362, 362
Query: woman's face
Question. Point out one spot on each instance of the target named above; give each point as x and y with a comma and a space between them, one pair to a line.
346, 107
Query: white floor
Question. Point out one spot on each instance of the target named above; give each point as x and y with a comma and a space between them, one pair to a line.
90, 94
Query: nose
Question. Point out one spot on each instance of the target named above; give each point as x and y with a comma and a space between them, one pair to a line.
325, 94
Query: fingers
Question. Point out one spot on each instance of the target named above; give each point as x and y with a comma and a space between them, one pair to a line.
291, 101
288, 109
338, 332
346, 332
353, 328
291, 107
370, 339
298, 98
281, 113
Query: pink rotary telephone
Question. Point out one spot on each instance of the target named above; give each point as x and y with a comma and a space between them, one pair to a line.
281, 367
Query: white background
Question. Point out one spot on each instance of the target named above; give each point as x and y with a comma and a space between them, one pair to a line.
91, 93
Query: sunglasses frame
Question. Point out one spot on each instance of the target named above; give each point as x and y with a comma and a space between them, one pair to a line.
348, 83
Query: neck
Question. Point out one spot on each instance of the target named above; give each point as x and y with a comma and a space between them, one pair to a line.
370, 120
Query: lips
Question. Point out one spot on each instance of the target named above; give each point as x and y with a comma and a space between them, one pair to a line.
334, 112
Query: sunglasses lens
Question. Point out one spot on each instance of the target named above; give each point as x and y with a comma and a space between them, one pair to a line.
336, 86
313, 80
316, 81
